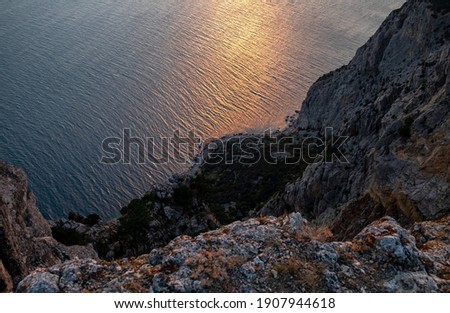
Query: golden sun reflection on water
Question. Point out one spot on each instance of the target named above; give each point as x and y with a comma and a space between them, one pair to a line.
237, 52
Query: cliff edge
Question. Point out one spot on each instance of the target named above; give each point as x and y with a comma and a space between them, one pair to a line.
392, 103
26, 241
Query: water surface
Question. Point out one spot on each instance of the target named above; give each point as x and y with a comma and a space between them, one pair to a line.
75, 72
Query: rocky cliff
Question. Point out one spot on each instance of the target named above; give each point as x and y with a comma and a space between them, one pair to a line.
271, 255
26, 240
375, 220
392, 102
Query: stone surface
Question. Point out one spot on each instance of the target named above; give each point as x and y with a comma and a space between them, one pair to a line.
25, 236
6, 283
392, 101
270, 255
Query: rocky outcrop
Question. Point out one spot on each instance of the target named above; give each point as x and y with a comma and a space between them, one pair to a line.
25, 236
284, 254
145, 224
392, 102
6, 283
384, 209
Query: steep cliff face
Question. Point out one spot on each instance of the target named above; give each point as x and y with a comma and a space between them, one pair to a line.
392, 101
25, 236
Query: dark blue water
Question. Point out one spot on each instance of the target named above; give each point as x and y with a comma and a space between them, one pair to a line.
73, 73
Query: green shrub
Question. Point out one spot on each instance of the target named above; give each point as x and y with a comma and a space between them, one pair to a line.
183, 195
134, 226
90, 220
69, 237
76, 217
134, 217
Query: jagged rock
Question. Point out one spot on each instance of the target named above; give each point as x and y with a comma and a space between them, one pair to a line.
412, 282
44, 283
82, 275
268, 254
101, 236
171, 214
389, 242
6, 283
70, 225
392, 101
25, 236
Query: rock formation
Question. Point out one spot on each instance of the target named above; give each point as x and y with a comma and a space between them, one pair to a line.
25, 236
392, 102
270, 254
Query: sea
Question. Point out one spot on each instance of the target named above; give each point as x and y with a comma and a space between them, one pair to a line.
77, 75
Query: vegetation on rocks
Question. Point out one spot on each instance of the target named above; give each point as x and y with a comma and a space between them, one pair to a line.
219, 193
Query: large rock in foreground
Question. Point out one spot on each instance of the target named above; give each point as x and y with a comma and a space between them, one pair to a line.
26, 240
271, 255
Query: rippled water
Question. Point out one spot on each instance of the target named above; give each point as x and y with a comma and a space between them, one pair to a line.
75, 72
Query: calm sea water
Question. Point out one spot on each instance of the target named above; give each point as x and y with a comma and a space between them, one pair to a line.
75, 72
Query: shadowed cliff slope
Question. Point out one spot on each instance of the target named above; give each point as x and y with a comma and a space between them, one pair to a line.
26, 241
392, 101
